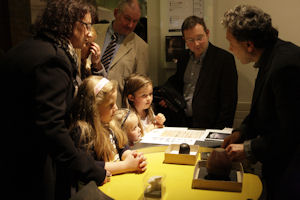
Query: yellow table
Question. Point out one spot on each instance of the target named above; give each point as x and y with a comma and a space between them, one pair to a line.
178, 181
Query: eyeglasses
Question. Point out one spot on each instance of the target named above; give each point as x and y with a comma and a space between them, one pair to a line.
88, 26
197, 39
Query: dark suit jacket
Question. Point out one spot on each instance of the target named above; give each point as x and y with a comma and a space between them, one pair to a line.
215, 95
38, 87
273, 122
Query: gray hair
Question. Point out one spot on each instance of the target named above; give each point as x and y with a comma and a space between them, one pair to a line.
249, 23
123, 3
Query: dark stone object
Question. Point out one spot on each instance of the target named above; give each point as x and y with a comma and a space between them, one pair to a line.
203, 174
218, 164
184, 148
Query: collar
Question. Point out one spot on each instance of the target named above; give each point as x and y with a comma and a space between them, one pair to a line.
65, 44
198, 60
264, 58
111, 32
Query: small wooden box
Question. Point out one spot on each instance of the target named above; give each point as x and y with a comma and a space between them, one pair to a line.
233, 185
173, 156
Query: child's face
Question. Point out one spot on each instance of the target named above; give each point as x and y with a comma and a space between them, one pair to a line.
133, 130
142, 98
108, 108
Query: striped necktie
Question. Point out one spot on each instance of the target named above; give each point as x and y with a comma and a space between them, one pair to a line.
109, 51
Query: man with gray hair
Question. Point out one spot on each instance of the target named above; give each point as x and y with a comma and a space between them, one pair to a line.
269, 133
122, 51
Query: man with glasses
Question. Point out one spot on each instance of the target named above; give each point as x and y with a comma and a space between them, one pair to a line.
122, 51
206, 77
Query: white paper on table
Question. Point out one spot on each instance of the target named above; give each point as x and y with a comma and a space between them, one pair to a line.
167, 140
173, 135
197, 134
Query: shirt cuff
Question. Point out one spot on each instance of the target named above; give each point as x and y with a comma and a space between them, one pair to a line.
95, 71
248, 151
95, 67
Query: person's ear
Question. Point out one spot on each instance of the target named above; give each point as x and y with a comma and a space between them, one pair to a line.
207, 33
131, 97
250, 46
116, 12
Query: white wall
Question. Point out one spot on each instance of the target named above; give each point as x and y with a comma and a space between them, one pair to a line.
285, 15
153, 16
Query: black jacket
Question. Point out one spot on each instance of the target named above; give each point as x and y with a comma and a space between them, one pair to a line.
215, 95
40, 157
272, 124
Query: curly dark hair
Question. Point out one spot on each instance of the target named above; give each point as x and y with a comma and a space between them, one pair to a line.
60, 16
249, 23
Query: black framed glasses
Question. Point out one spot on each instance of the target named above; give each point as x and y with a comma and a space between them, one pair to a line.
193, 40
88, 26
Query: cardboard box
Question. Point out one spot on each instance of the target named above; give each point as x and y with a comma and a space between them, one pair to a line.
234, 185
173, 156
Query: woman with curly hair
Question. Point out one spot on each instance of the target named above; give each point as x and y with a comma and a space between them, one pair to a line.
43, 162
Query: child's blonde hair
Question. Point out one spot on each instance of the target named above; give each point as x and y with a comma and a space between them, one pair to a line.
125, 118
85, 114
132, 84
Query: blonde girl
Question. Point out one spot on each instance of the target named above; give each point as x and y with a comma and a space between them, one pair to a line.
138, 96
129, 123
94, 130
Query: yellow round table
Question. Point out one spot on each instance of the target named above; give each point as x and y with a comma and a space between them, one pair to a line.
178, 181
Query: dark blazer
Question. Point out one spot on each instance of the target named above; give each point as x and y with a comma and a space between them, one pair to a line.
273, 122
38, 86
215, 95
